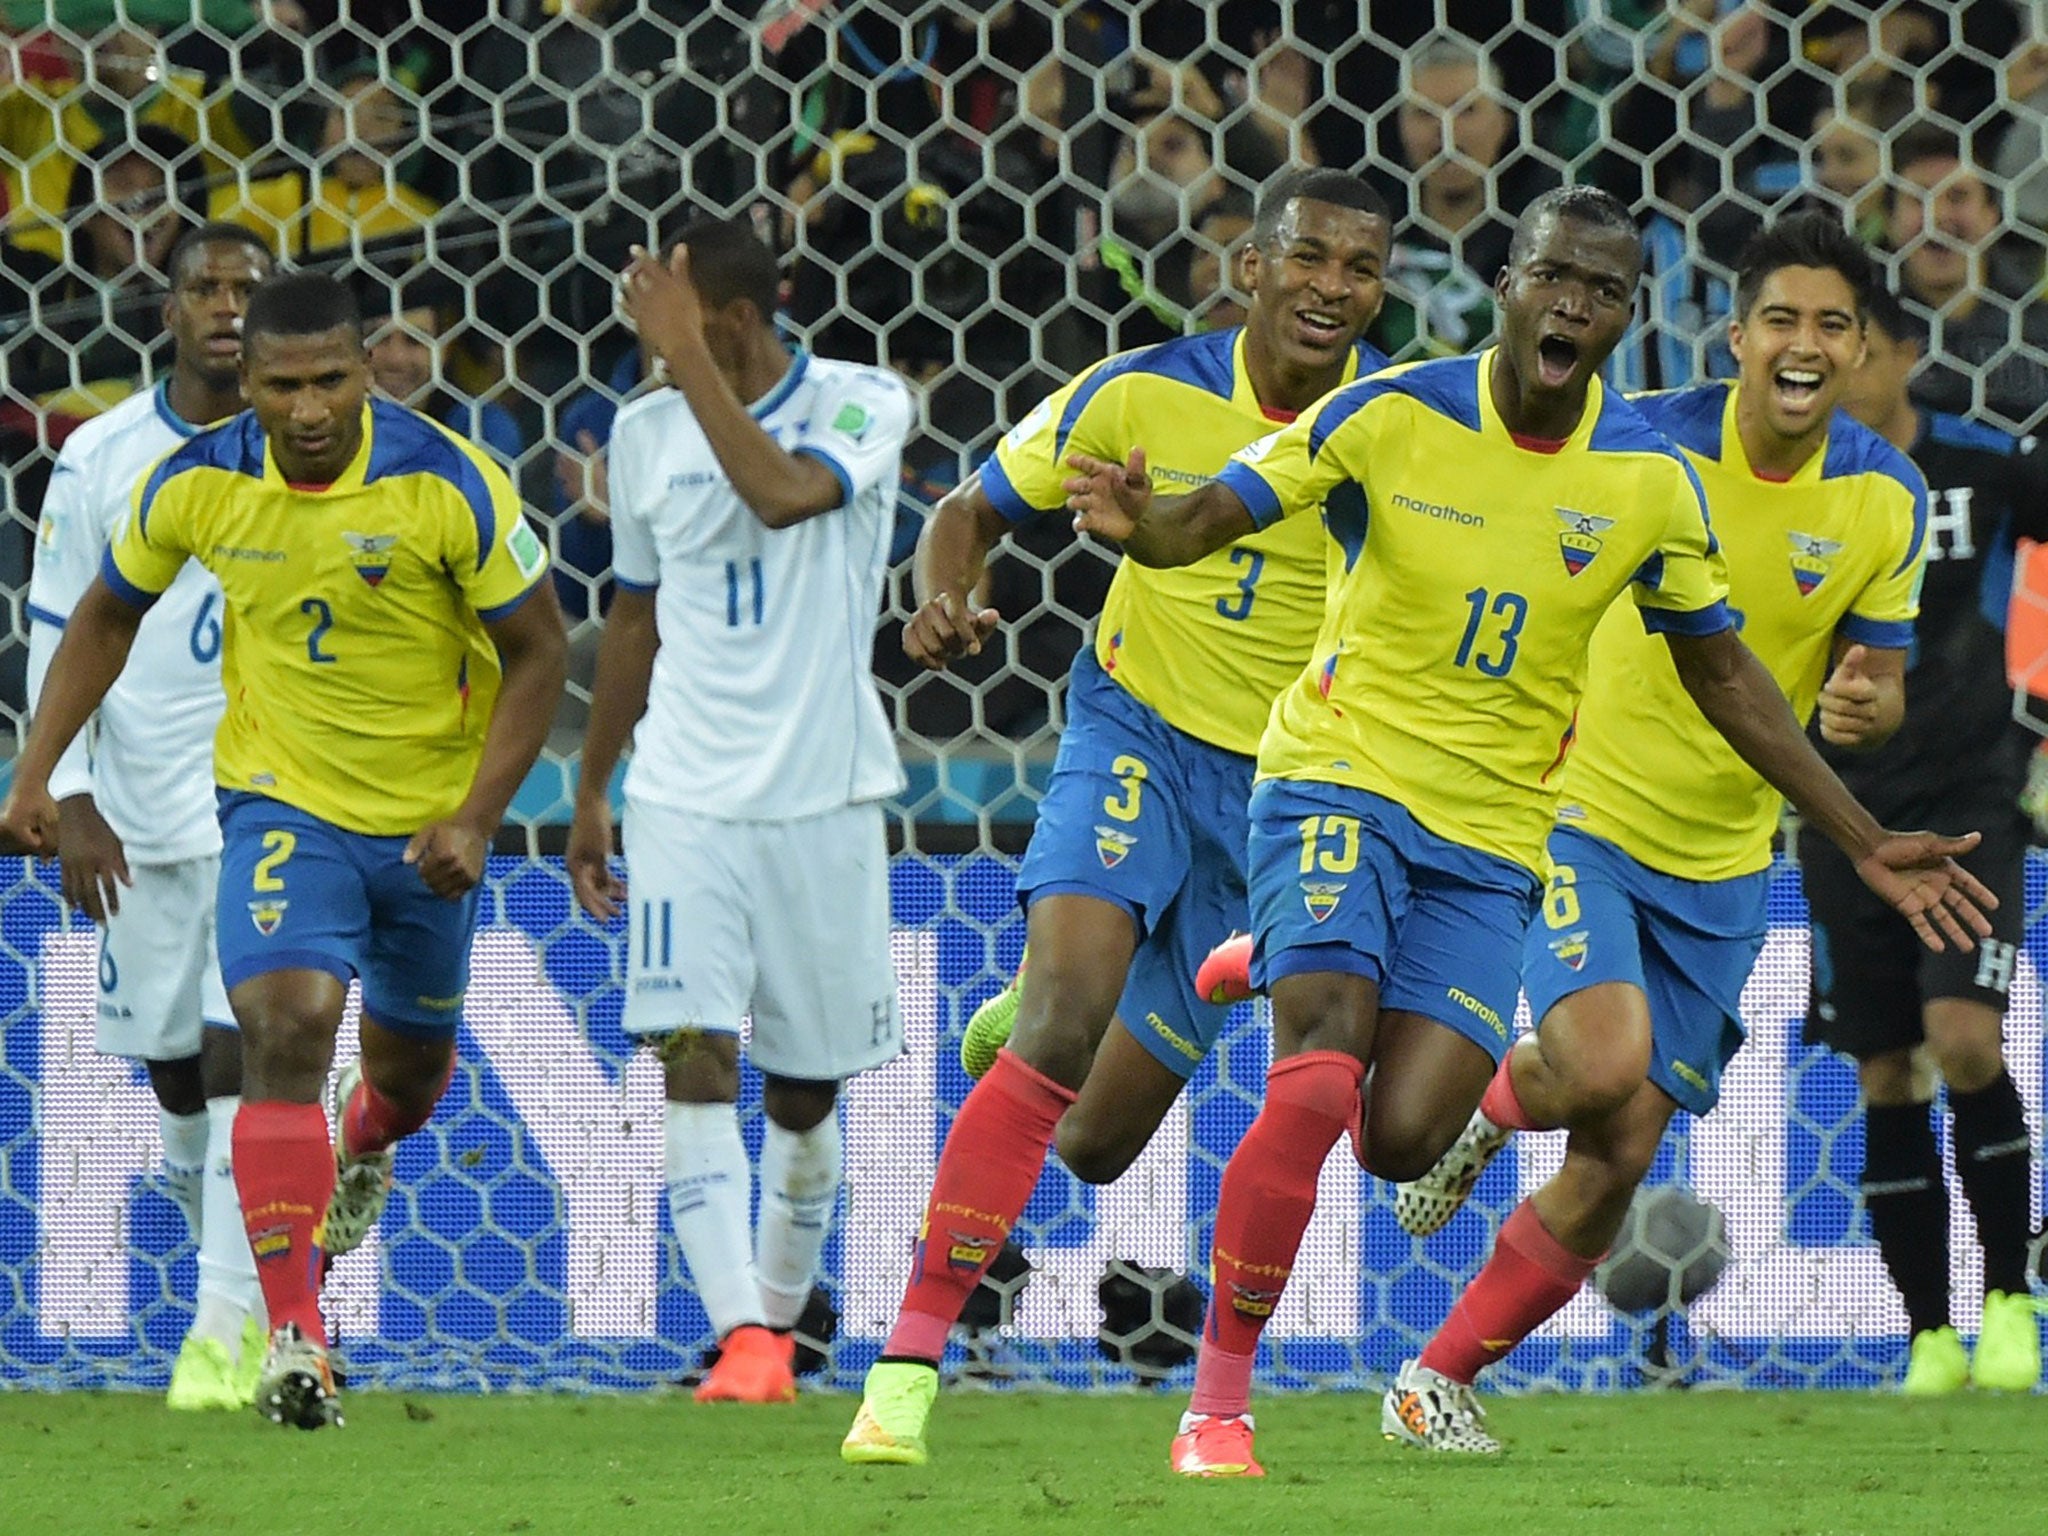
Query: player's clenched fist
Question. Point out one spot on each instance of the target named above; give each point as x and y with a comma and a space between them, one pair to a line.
28, 822
947, 627
450, 856
589, 857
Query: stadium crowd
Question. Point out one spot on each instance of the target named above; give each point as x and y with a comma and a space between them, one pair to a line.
985, 199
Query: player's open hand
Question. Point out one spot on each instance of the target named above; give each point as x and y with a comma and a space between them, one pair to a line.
1107, 498
945, 628
1917, 873
589, 857
28, 821
1849, 701
661, 299
94, 864
450, 856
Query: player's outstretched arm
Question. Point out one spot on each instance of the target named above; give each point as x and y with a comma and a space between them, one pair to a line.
618, 698
780, 488
533, 652
97, 639
951, 560
93, 864
1915, 872
1115, 501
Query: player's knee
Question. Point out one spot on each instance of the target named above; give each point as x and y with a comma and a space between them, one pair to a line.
178, 1085
1059, 1027
1402, 1144
700, 1067
797, 1104
1093, 1152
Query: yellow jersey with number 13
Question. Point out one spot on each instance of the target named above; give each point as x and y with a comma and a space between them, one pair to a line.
1471, 568
1208, 645
359, 676
1838, 548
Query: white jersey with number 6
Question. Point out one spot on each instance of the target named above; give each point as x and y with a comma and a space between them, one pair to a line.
151, 759
762, 705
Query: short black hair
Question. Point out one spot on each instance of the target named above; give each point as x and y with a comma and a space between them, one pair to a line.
301, 304
1887, 314
150, 141
1340, 189
729, 261
217, 232
1582, 205
1814, 239
1923, 141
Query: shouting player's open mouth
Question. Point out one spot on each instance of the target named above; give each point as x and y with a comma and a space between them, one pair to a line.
1556, 358
1321, 329
1796, 389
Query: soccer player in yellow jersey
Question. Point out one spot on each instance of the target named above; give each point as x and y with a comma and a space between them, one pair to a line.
1137, 864
1660, 858
392, 657
1486, 511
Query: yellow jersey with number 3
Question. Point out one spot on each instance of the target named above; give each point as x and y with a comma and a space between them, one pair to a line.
359, 676
1470, 568
1208, 645
1836, 549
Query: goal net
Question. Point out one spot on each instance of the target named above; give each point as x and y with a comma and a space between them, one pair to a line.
986, 198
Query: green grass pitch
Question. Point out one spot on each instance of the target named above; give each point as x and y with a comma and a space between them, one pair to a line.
1713, 1463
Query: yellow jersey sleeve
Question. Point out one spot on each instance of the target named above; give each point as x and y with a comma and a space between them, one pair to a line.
495, 556
1683, 587
154, 540
1025, 475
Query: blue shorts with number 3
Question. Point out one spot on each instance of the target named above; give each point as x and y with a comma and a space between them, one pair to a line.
299, 893
1143, 815
1348, 881
1689, 945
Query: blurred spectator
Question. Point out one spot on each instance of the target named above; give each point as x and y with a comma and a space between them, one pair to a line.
85, 18
1216, 299
47, 125
1942, 224
357, 192
2020, 158
407, 363
1847, 151
1454, 129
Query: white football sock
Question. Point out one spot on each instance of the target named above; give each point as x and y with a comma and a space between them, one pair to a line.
184, 1160
228, 1290
799, 1189
710, 1190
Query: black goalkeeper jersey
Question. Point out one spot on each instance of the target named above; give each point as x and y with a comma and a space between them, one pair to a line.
1985, 488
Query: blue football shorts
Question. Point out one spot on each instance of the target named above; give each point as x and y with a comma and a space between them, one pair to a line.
299, 893
1142, 815
1346, 880
1689, 945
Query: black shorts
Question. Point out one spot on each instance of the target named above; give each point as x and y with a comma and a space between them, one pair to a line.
1872, 975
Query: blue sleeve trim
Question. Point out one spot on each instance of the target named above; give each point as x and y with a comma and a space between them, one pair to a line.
492, 615
1699, 621
1002, 495
122, 587
625, 584
1881, 634
44, 616
1259, 498
838, 473
1918, 544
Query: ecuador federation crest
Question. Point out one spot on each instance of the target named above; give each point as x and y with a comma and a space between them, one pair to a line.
1572, 948
268, 916
1579, 538
1812, 559
1321, 898
1111, 846
371, 554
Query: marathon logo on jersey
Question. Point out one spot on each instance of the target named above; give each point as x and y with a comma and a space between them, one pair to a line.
371, 554
268, 916
1579, 540
1812, 559
1571, 949
1111, 846
1321, 899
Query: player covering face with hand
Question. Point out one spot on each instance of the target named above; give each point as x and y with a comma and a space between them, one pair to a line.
1485, 512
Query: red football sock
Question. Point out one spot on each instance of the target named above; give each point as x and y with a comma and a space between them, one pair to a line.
1530, 1276
1500, 1103
284, 1174
372, 1123
987, 1170
1268, 1195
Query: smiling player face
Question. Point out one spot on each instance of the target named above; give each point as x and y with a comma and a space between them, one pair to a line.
1564, 305
308, 393
1317, 284
1796, 350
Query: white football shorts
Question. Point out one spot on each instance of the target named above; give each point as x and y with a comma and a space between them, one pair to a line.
159, 967
785, 920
